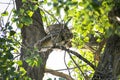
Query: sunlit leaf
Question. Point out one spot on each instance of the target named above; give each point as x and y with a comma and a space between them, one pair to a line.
49, 79
5, 13
22, 70
19, 63
20, 25
21, 11
30, 13
35, 7
26, 20
24, 1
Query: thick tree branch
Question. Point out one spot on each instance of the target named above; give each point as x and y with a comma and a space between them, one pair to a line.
87, 46
30, 35
76, 54
108, 66
98, 51
69, 68
60, 74
85, 76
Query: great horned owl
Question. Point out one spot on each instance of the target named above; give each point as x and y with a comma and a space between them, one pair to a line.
57, 34
60, 34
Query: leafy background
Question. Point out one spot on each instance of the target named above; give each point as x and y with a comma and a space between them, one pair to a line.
87, 17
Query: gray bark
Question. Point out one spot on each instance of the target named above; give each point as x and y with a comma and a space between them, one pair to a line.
30, 35
109, 65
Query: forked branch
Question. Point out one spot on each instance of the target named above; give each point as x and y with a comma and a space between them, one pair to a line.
77, 55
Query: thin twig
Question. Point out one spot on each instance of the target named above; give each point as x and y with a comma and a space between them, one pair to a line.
69, 68
49, 14
9, 16
77, 65
16, 56
5, 3
7, 6
66, 64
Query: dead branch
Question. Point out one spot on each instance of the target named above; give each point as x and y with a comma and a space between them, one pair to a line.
60, 74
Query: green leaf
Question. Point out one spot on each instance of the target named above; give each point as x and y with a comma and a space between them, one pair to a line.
49, 3
9, 56
24, 1
66, 8
30, 13
49, 79
23, 71
55, 4
35, 7
61, 78
15, 19
5, 13
11, 48
30, 61
26, 20
21, 11
20, 25
10, 27
7, 24
19, 63
39, 61
12, 33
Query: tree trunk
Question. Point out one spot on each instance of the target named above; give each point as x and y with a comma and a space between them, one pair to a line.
30, 35
109, 65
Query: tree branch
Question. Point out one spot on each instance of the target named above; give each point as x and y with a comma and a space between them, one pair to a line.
98, 51
66, 64
77, 55
84, 75
60, 74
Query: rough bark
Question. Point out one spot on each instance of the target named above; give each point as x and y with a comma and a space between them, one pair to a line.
30, 35
109, 65
35, 36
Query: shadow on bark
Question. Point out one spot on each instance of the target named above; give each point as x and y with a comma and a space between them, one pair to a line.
30, 35
109, 65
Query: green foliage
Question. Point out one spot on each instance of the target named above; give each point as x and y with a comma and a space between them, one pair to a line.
5, 13
8, 46
61, 78
23, 16
34, 60
88, 17
49, 79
